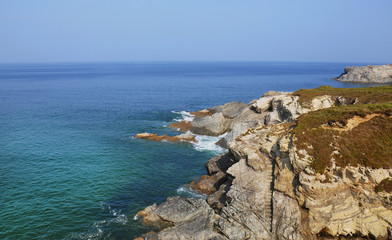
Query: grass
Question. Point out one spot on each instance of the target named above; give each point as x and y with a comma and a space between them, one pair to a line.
366, 95
368, 144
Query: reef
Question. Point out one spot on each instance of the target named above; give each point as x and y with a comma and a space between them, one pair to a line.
310, 164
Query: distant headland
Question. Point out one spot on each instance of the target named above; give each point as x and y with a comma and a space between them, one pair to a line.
367, 74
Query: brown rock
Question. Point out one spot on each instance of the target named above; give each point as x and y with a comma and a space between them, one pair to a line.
209, 184
202, 113
182, 126
154, 137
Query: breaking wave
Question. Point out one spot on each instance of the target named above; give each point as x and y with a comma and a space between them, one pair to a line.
188, 192
208, 143
184, 116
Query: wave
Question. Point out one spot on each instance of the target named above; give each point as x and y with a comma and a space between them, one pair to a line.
185, 116
189, 192
208, 143
97, 230
204, 143
96, 234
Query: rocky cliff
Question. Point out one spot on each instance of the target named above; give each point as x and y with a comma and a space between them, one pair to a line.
313, 164
367, 74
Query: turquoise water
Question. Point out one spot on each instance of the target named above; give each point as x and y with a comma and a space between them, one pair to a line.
69, 165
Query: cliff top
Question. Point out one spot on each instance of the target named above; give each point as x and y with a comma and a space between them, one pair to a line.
366, 95
359, 134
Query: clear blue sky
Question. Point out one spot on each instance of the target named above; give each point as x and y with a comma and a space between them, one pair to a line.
177, 30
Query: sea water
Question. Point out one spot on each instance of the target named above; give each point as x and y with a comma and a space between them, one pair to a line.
70, 167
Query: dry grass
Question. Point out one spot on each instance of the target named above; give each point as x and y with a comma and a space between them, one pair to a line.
368, 144
365, 95
384, 185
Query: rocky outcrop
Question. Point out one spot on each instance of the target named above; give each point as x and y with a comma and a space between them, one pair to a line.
234, 118
367, 74
264, 187
216, 168
285, 107
214, 125
221, 119
182, 218
343, 202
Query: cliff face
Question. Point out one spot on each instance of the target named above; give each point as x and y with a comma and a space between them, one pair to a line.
275, 182
367, 74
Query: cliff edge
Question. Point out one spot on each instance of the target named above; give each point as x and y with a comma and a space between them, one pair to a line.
315, 164
367, 74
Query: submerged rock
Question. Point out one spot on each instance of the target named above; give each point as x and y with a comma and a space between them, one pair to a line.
367, 74
187, 137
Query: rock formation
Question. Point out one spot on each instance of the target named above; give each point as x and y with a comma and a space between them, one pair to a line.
367, 74
291, 175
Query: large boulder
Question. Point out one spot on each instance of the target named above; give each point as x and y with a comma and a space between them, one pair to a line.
214, 125
229, 110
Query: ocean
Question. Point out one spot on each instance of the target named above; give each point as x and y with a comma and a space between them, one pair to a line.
70, 167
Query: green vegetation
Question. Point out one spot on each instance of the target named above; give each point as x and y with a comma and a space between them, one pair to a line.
323, 134
384, 185
365, 95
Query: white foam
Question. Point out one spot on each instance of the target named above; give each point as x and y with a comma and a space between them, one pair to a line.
95, 233
136, 217
122, 219
208, 143
185, 116
188, 192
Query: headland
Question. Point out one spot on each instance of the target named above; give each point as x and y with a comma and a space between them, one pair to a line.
310, 164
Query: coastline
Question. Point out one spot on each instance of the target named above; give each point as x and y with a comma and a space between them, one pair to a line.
268, 185
122, 171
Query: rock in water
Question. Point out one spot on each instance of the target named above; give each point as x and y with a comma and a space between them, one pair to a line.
367, 74
185, 137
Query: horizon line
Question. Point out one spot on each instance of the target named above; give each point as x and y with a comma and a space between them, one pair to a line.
190, 61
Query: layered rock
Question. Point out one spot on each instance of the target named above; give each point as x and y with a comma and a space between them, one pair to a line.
234, 118
266, 187
367, 74
182, 219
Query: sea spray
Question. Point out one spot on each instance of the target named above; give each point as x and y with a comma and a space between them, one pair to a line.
184, 116
208, 143
204, 143
189, 192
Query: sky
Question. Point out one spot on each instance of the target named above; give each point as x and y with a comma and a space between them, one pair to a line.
187, 30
